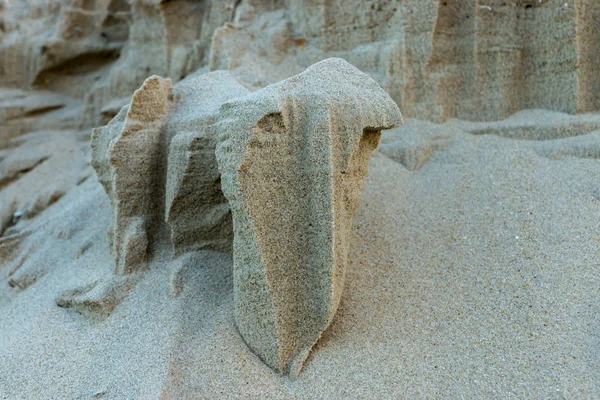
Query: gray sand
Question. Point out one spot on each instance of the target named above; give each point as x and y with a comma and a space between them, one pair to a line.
473, 276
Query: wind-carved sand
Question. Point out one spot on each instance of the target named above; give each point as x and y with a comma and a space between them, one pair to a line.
156, 162
126, 157
293, 157
473, 266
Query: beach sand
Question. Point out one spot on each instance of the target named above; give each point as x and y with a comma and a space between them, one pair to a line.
474, 273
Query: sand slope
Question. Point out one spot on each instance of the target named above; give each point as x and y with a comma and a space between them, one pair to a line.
474, 275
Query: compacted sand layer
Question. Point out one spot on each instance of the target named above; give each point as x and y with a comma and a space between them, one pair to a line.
475, 273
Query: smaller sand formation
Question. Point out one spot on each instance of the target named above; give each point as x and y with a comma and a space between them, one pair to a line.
126, 157
293, 157
156, 161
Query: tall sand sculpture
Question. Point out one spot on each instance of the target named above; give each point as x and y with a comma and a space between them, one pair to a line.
293, 157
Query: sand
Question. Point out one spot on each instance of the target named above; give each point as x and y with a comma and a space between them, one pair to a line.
473, 266
479, 279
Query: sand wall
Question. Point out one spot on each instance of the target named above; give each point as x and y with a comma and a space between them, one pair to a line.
469, 59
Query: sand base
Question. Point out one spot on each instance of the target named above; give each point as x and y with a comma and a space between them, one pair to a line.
475, 275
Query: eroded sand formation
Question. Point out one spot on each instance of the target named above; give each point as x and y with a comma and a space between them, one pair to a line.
472, 259
156, 162
467, 59
293, 157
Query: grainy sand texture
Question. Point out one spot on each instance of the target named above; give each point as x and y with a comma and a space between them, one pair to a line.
472, 263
